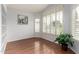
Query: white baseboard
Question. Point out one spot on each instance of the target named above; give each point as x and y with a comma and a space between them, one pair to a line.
3, 47
74, 51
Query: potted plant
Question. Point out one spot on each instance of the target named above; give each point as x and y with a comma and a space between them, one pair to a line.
64, 40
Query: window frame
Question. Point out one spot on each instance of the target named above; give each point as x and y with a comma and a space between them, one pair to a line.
37, 23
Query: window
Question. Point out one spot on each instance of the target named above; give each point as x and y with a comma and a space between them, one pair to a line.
59, 22
53, 23
75, 23
37, 25
44, 24
48, 23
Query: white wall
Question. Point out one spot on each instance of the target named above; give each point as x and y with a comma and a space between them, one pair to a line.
16, 31
67, 18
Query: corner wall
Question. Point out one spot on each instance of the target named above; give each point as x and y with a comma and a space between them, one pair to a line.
66, 20
67, 17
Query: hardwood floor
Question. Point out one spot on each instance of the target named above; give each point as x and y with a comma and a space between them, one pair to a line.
35, 46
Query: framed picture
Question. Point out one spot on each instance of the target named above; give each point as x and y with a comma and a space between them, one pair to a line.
22, 19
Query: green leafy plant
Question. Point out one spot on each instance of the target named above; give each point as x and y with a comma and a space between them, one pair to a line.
65, 40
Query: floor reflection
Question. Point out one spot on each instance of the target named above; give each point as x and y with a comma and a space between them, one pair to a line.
46, 49
35, 46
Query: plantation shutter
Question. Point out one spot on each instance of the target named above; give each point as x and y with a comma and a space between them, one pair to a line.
75, 23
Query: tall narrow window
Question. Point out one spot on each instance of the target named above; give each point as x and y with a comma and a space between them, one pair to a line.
75, 23
53, 23
59, 22
37, 25
44, 24
48, 23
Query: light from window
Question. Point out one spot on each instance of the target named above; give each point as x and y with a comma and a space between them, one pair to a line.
75, 23
44, 24
59, 22
53, 23
37, 25
48, 23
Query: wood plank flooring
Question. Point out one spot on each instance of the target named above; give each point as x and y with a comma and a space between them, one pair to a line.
35, 46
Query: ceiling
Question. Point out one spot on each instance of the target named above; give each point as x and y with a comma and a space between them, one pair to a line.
27, 7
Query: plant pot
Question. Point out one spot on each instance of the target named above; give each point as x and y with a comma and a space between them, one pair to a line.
64, 47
